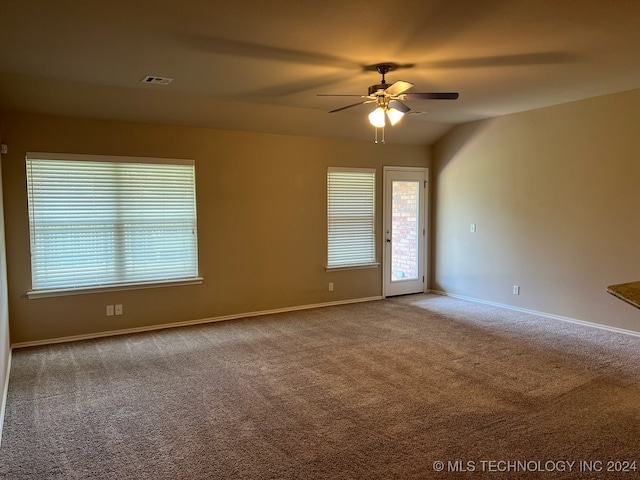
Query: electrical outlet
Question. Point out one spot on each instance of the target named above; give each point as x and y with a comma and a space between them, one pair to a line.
472, 229
331, 286
109, 310
119, 309
516, 290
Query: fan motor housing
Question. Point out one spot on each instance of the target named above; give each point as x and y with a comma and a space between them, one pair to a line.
373, 89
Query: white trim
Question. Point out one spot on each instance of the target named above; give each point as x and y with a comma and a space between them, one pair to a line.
369, 258
405, 169
106, 158
351, 169
122, 200
113, 288
425, 219
352, 267
5, 393
541, 314
187, 323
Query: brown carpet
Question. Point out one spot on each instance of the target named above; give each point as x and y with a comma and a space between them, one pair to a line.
366, 391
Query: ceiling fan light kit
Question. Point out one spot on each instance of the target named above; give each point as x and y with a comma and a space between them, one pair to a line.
388, 100
376, 118
394, 115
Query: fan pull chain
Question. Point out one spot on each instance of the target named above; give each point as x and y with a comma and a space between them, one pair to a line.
376, 136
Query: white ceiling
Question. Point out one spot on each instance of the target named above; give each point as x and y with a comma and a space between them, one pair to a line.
258, 65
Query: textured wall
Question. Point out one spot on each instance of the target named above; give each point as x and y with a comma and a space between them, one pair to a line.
4, 307
556, 199
261, 222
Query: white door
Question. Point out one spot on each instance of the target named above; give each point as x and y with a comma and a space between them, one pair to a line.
405, 193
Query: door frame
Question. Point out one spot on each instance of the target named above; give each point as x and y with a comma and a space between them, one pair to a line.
386, 197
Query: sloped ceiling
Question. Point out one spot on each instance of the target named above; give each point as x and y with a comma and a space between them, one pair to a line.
259, 65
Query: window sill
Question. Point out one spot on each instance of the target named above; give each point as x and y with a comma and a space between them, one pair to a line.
352, 267
112, 288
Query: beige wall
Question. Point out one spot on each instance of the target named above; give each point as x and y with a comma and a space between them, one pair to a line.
261, 221
5, 351
555, 194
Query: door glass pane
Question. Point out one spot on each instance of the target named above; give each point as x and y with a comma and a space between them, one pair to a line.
404, 230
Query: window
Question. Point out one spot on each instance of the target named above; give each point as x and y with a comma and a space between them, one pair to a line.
351, 217
98, 222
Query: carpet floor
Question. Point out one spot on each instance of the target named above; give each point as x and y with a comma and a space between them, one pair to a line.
414, 387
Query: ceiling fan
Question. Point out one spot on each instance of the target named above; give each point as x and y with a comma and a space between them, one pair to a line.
388, 100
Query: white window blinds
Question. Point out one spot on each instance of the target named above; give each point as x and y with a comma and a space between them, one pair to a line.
108, 221
351, 217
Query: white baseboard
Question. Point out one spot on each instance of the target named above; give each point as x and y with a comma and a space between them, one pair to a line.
5, 392
187, 323
540, 314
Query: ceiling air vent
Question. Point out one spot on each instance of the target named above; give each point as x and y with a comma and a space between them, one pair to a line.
157, 80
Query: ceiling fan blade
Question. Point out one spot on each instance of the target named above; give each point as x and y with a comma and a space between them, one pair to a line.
431, 96
398, 87
349, 106
398, 105
338, 95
